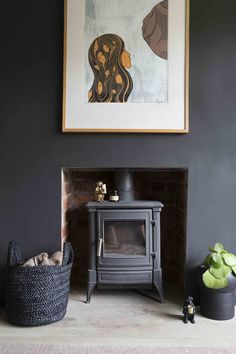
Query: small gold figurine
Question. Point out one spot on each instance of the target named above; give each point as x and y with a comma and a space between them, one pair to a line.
100, 191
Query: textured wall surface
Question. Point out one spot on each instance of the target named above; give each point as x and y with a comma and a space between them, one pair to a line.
32, 147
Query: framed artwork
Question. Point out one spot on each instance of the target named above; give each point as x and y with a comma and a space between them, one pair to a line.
126, 66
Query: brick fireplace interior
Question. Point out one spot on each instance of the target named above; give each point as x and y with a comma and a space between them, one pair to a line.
168, 186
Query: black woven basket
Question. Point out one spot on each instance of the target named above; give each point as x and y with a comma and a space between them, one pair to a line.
37, 295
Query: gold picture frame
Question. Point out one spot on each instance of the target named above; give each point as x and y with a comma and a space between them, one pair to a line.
100, 109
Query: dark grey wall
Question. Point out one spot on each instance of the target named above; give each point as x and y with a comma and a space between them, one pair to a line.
32, 148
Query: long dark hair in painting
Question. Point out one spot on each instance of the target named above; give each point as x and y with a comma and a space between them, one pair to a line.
109, 61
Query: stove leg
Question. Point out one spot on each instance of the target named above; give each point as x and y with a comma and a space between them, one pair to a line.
160, 291
157, 281
90, 288
92, 281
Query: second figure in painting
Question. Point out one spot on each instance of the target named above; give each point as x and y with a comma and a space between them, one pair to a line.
109, 61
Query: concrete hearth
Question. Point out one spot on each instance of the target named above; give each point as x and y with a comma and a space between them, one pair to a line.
127, 319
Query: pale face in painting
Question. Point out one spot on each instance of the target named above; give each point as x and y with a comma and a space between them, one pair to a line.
126, 59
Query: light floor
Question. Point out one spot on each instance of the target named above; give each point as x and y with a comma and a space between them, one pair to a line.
121, 318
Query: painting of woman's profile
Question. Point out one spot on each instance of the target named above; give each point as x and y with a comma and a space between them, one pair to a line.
141, 27
109, 61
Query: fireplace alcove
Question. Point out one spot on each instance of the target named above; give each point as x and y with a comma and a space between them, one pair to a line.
169, 186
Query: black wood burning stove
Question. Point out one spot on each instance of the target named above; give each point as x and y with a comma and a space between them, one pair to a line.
125, 241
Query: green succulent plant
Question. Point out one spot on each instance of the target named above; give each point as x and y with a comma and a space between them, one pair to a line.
220, 264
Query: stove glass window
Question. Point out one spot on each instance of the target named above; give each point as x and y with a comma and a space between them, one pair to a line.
124, 238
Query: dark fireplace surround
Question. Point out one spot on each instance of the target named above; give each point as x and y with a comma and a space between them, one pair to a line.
167, 186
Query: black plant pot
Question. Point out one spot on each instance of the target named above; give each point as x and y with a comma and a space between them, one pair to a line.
218, 304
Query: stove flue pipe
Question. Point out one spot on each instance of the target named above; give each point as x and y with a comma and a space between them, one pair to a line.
124, 184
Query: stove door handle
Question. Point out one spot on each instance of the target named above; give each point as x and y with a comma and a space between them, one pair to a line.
99, 249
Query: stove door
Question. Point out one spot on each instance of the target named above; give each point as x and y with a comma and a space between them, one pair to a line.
124, 239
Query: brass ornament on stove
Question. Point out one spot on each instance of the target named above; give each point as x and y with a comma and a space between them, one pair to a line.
100, 191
